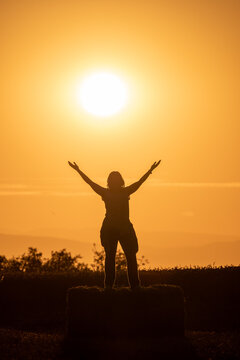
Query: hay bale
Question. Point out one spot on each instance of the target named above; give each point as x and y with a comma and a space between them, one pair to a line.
150, 311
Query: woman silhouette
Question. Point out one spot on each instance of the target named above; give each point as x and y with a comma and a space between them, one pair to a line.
116, 224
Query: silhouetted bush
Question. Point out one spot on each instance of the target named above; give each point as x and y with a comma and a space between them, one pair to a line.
120, 260
61, 261
33, 262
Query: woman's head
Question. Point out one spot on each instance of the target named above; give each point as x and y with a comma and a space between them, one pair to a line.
115, 180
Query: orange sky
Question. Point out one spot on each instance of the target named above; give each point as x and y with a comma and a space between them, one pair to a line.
180, 60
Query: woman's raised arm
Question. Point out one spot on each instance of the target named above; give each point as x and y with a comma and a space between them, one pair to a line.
97, 188
135, 186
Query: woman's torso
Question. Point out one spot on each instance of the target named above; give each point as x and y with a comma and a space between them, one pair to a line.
117, 206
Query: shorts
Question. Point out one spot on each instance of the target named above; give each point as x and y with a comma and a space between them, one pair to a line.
125, 234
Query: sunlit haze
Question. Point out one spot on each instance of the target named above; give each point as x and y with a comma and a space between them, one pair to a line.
115, 86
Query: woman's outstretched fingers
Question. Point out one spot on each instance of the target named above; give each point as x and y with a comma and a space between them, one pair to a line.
73, 165
76, 166
155, 164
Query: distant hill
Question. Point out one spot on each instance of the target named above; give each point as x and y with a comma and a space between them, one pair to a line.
161, 249
217, 253
14, 245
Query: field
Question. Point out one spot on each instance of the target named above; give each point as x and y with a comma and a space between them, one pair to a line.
33, 316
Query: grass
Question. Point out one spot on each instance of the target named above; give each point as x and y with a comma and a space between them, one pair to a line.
17, 344
199, 345
38, 301
32, 319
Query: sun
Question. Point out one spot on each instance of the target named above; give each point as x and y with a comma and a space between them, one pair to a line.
102, 94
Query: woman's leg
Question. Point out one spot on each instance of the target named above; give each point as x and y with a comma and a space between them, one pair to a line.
133, 277
110, 254
129, 243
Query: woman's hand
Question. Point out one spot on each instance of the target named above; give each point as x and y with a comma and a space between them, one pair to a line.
74, 166
154, 165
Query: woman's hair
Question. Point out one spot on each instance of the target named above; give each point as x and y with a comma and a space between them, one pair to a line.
115, 180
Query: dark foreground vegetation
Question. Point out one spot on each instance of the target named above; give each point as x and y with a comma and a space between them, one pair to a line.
37, 301
33, 305
197, 345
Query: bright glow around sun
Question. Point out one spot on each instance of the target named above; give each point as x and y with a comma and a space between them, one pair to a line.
103, 94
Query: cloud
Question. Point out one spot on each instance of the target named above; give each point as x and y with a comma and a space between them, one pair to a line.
45, 193
72, 190
62, 193
6, 186
19, 193
159, 183
41, 190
